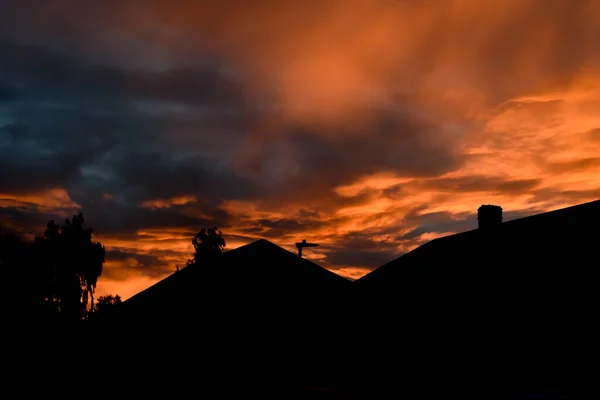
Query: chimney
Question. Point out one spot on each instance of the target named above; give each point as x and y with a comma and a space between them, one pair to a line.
489, 216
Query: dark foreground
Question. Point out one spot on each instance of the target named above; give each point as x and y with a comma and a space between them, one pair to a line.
377, 354
119, 362
528, 345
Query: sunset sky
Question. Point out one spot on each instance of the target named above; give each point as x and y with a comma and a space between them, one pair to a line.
368, 126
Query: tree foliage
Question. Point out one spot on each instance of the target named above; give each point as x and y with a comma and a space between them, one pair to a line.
19, 286
208, 244
68, 264
107, 302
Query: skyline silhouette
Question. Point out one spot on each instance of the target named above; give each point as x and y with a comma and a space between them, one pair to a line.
511, 300
516, 293
565, 228
203, 243
400, 137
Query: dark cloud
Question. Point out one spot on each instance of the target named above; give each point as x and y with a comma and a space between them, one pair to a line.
441, 222
156, 175
317, 162
277, 228
510, 215
447, 187
30, 223
349, 257
393, 140
15, 131
63, 75
593, 134
143, 260
518, 185
359, 249
109, 217
195, 86
280, 227
138, 135
482, 184
8, 93
575, 165
24, 172
558, 197
412, 234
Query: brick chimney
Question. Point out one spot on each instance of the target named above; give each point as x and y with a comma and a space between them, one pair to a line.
489, 216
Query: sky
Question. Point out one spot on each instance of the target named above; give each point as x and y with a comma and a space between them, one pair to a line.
367, 126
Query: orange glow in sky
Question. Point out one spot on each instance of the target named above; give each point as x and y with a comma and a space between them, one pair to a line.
370, 127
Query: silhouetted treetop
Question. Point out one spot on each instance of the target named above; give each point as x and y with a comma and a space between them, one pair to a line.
107, 302
69, 264
16, 278
208, 243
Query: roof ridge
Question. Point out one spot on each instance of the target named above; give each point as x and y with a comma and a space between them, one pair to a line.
511, 224
259, 248
274, 245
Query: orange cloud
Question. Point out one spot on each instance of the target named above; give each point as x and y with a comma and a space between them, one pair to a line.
107, 197
52, 200
168, 203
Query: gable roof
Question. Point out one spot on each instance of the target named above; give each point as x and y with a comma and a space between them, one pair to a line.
519, 294
539, 241
249, 273
257, 304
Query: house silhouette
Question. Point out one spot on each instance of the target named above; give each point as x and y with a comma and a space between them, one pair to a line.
513, 301
261, 274
256, 311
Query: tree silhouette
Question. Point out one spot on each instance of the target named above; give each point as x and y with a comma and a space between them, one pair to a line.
107, 302
12, 250
208, 244
69, 263
20, 294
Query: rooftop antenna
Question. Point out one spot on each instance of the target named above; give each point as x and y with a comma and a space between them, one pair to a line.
302, 244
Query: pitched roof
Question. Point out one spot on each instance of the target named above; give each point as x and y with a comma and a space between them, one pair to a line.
256, 302
257, 271
531, 243
518, 295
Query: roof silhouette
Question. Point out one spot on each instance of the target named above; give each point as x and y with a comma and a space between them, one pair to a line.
255, 302
512, 301
257, 265
524, 239
259, 275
